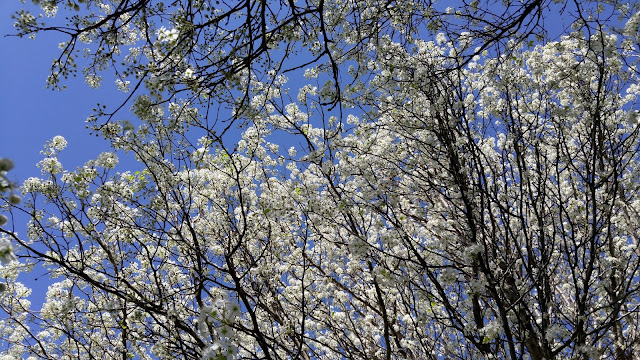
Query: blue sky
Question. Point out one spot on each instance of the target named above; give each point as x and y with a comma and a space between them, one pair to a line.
32, 114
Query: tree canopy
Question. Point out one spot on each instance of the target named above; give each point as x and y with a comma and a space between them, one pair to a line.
339, 180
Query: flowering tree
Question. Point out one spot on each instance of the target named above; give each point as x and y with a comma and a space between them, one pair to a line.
428, 193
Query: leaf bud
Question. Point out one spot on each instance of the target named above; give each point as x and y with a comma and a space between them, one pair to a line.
6, 164
14, 199
3, 220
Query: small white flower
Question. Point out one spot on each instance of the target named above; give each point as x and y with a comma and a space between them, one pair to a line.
32, 184
122, 85
107, 160
165, 35
50, 166
58, 143
93, 80
189, 74
311, 73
